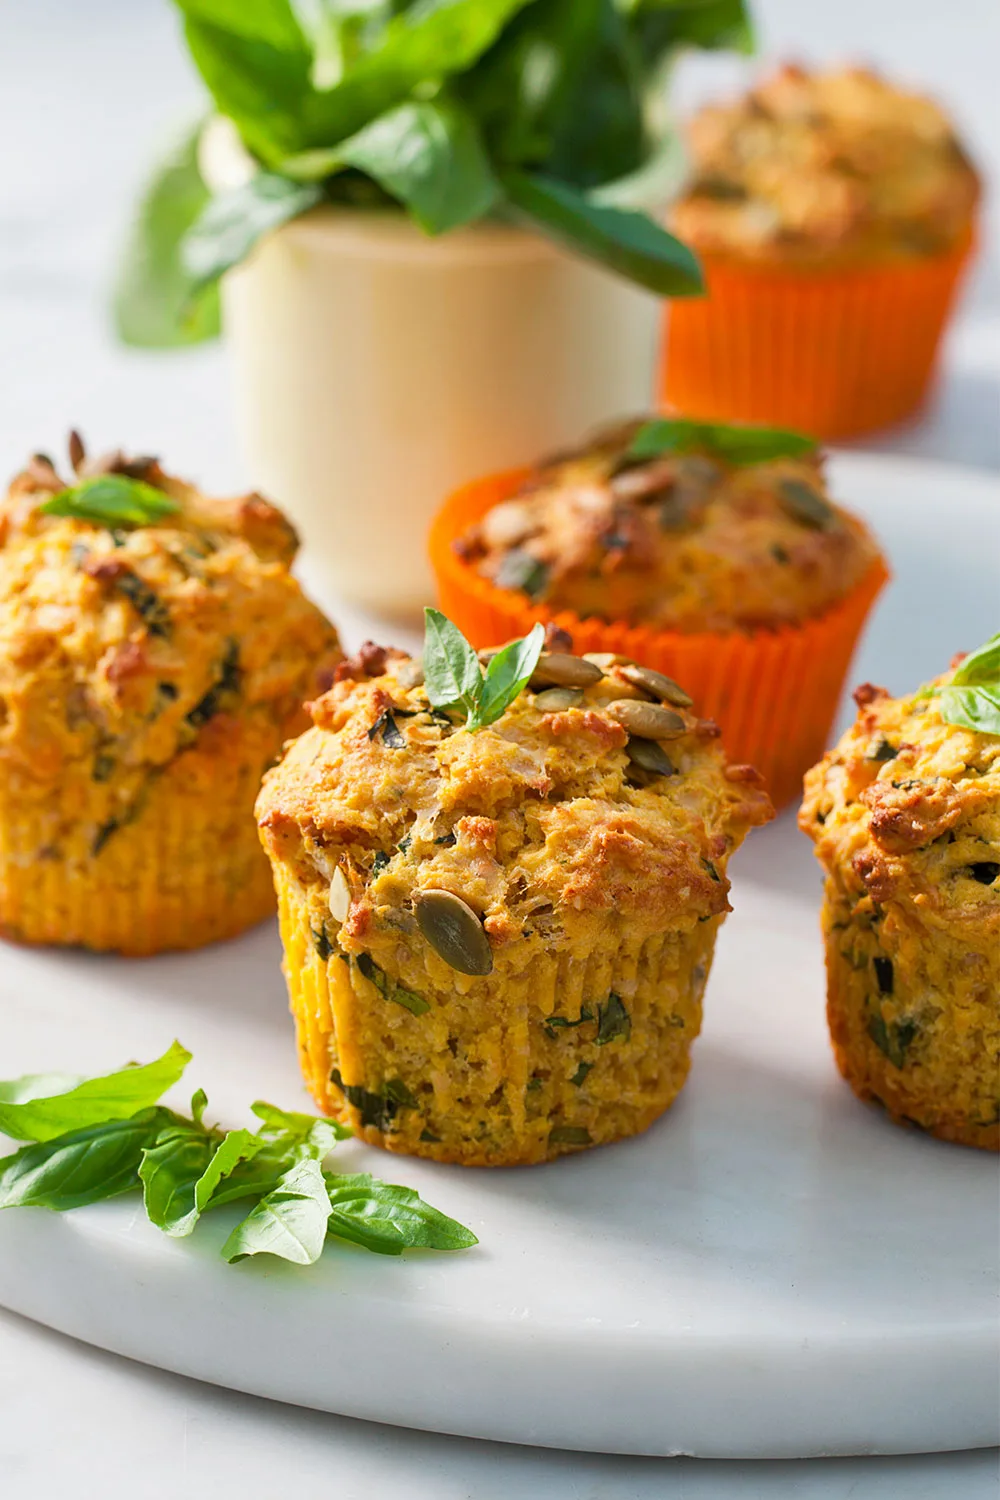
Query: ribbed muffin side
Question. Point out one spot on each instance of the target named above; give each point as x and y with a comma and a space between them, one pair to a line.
187, 871
153, 661
497, 937
515, 1070
905, 815
900, 1036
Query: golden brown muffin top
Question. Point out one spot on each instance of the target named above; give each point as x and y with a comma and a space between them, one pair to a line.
906, 808
123, 644
825, 167
688, 540
548, 819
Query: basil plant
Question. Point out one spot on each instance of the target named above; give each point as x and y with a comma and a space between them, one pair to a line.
537, 111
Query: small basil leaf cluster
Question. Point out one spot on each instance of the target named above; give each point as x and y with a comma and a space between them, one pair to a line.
94, 1139
454, 678
735, 444
112, 500
972, 698
543, 111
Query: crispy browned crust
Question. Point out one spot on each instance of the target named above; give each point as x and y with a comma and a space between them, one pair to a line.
823, 170
148, 676
683, 542
592, 887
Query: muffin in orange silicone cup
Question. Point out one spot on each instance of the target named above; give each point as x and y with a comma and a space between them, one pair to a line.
712, 554
833, 215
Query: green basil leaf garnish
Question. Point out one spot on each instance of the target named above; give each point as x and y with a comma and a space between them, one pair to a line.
80, 1166
115, 1096
389, 1219
169, 1171
312, 1135
976, 708
971, 699
112, 500
290, 1221
507, 676
736, 444
36, 1086
183, 1169
453, 677
186, 1168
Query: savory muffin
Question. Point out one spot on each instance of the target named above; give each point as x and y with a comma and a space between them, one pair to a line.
833, 214
497, 938
905, 815
826, 168
154, 654
686, 540
710, 553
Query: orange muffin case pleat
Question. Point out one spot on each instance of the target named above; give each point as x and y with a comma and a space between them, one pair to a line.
833, 353
774, 692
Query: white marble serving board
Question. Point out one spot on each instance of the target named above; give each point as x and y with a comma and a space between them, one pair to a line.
773, 1270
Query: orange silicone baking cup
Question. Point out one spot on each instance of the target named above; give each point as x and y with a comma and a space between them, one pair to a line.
774, 692
833, 353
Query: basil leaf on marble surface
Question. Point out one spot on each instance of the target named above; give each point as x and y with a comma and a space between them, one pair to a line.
289, 1222
389, 1219
186, 1168
114, 1096
81, 1166
37, 1086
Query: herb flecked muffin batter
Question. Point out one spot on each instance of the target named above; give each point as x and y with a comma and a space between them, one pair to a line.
905, 815
497, 938
700, 536
154, 654
825, 169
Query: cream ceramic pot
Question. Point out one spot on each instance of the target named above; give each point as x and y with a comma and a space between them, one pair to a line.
377, 369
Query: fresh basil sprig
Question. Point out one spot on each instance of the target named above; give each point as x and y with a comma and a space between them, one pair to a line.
112, 500
42, 1115
95, 1139
547, 111
736, 444
972, 698
454, 678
